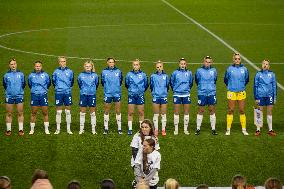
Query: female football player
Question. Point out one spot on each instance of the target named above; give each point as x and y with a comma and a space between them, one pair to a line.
236, 78
39, 82
159, 85
88, 82
111, 81
265, 92
181, 82
63, 80
205, 79
136, 82
14, 84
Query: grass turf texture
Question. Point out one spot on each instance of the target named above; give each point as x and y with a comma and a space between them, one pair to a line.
149, 30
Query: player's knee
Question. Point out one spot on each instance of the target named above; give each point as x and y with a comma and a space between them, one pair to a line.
242, 111
200, 112
141, 113
34, 113
67, 112
59, 112
9, 114
20, 113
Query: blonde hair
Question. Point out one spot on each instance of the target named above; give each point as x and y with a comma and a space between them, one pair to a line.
273, 183
171, 184
61, 57
92, 63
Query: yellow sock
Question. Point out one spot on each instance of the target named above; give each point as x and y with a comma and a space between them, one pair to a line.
229, 121
243, 121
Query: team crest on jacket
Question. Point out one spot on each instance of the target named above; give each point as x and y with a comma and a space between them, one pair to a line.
186, 74
42, 75
269, 75
211, 73
18, 76
116, 74
164, 77
139, 76
242, 71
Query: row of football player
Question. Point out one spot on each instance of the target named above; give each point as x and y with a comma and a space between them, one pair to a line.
236, 78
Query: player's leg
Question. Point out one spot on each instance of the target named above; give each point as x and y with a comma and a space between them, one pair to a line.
9, 115
117, 104
177, 102
93, 119
34, 110
164, 117
186, 108
241, 104
140, 109
107, 107
45, 119
20, 110
131, 108
68, 103
231, 109
212, 111
156, 111
58, 104
83, 110
199, 118
269, 120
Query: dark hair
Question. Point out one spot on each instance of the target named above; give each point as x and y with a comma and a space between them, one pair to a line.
273, 183
151, 143
38, 61
110, 58
107, 184
5, 182
151, 133
202, 186
74, 184
39, 174
239, 182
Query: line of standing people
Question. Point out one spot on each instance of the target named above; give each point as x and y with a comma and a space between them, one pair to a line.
136, 81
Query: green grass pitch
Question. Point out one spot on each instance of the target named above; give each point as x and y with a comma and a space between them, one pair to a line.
148, 30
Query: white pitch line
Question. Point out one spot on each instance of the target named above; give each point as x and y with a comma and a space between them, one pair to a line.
216, 37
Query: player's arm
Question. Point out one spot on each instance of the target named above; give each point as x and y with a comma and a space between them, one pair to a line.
97, 82
23, 81
151, 83
226, 77
4, 83
146, 84
30, 81
247, 77
274, 87
72, 79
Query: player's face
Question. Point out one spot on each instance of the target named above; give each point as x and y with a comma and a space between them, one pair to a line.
265, 65
237, 59
88, 67
159, 67
145, 128
38, 67
13, 65
136, 65
62, 62
147, 148
111, 63
207, 62
182, 64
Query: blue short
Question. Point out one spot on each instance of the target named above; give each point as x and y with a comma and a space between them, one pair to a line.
61, 99
266, 101
160, 100
206, 100
15, 100
136, 99
111, 99
87, 100
182, 100
39, 100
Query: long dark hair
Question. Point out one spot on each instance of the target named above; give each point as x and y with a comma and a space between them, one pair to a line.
151, 133
151, 143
